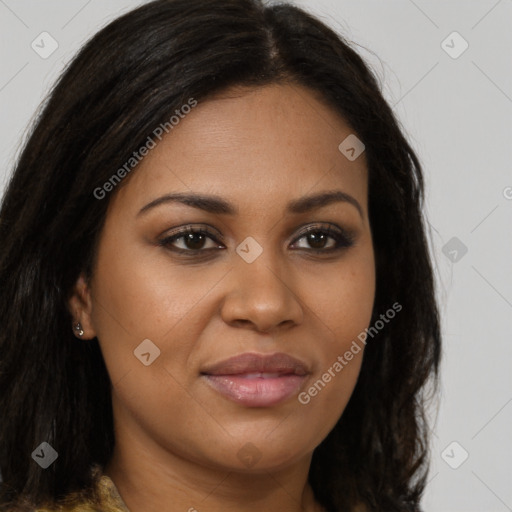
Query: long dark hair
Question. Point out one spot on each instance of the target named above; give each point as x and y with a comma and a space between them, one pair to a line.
128, 79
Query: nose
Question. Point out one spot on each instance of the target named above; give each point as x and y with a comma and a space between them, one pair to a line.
260, 297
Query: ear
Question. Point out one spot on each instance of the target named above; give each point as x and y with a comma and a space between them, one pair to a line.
80, 305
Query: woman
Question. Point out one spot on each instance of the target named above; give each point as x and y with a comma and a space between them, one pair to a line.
216, 290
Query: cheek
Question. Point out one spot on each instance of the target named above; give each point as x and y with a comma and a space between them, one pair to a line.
154, 403
342, 298
138, 296
327, 395
137, 300
344, 309
346, 313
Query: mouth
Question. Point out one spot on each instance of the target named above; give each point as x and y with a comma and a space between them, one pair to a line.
256, 380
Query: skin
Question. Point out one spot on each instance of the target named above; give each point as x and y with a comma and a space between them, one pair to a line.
177, 439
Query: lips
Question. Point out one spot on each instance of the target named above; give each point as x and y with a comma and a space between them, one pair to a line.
257, 380
258, 363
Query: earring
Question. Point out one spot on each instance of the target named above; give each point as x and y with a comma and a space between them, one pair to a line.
78, 329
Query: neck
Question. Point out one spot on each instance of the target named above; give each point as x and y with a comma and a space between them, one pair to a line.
150, 479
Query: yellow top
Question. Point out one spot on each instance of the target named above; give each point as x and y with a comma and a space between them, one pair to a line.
110, 499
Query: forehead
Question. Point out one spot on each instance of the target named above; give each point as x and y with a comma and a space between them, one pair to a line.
274, 143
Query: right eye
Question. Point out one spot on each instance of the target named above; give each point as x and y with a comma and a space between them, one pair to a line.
193, 240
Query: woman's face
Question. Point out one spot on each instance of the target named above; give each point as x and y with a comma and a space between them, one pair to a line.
168, 312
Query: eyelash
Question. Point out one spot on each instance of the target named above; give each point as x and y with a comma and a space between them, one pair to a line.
343, 238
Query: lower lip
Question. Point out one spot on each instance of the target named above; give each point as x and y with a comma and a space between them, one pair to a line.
256, 392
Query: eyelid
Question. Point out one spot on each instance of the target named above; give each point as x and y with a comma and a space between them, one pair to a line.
326, 227
183, 230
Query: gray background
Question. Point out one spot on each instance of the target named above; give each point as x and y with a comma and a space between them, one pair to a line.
457, 113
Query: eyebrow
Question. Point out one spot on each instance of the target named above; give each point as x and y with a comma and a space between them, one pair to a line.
217, 205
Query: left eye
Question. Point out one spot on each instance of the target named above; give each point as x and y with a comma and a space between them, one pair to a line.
318, 236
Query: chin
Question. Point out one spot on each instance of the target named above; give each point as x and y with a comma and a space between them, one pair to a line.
258, 453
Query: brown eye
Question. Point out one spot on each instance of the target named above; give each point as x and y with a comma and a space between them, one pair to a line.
191, 240
194, 241
318, 239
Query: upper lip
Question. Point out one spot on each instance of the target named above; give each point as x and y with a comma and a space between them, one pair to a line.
251, 362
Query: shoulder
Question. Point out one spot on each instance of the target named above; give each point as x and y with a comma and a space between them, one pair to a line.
108, 498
